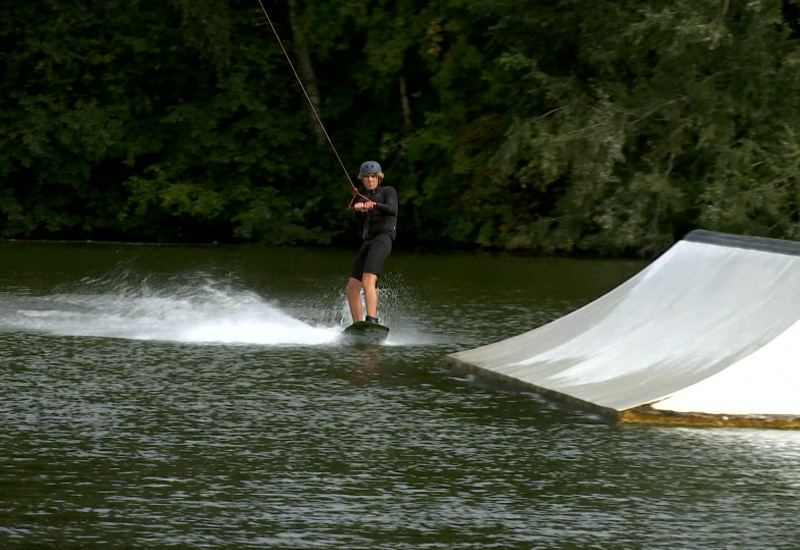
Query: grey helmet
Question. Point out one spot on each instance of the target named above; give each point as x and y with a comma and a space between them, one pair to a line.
370, 167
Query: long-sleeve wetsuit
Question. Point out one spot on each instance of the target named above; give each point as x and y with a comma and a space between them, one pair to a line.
383, 217
380, 226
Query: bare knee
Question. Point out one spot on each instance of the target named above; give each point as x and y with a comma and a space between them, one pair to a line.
353, 286
369, 280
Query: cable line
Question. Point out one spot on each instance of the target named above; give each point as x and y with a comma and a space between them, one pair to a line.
311, 104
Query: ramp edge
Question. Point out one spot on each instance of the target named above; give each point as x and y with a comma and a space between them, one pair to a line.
641, 415
552, 395
763, 244
648, 415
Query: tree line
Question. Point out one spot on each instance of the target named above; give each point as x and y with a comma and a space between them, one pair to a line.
544, 125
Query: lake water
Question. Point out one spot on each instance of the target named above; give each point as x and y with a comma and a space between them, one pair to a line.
200, 397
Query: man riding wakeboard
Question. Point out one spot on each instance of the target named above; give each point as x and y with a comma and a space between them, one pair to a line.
378, 209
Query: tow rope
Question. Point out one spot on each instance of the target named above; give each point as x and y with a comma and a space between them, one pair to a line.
356, 194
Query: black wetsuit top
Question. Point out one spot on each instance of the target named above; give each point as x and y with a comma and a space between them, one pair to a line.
383, 217
380, 224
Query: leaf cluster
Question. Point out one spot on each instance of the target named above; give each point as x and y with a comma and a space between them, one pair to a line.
550, 125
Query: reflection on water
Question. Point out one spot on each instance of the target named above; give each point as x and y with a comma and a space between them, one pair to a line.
199, 397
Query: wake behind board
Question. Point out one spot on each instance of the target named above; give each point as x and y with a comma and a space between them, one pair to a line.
366, 333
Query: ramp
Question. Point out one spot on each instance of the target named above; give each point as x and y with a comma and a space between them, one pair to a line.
707, 333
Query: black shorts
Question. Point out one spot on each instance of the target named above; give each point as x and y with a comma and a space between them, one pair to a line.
373, 253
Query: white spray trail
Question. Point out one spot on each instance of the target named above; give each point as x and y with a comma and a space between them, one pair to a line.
199, 312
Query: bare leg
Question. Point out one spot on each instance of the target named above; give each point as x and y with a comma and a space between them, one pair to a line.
369, 282
353, 292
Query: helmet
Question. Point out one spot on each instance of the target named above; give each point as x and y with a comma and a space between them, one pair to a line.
369, 167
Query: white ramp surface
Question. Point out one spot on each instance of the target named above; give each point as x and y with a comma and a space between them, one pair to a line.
699, 330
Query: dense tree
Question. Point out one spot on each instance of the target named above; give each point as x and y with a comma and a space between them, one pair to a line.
530, 124
644, 119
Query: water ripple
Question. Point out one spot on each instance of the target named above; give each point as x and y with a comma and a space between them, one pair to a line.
125, 442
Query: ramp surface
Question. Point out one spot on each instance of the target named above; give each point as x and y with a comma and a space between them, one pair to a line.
703, 320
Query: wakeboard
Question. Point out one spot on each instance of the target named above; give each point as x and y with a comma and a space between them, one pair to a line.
366, 333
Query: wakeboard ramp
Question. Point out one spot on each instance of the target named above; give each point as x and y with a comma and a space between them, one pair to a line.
707, 334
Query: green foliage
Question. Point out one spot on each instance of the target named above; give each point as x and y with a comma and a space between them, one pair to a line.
527, 124
671, 115
140, 123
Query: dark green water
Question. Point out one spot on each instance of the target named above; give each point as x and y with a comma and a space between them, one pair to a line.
199, 397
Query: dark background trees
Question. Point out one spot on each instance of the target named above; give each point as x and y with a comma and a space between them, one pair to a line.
528, 124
